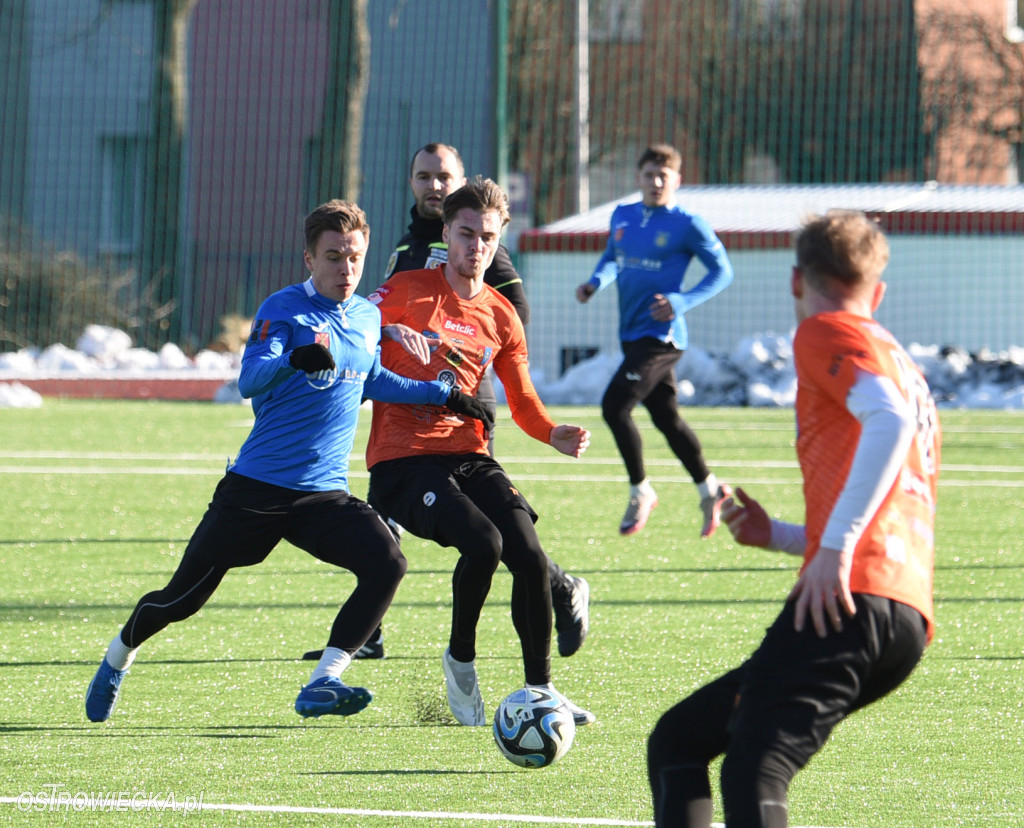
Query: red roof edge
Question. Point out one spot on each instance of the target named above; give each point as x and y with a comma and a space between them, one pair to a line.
904, 223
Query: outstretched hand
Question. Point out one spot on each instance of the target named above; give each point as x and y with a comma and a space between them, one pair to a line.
823, 590
413, 341
569, 439
747, 520
471, 407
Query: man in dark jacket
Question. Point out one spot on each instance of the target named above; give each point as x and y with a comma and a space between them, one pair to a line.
435, 172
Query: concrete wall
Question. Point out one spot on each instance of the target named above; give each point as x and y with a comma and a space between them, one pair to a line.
963, 290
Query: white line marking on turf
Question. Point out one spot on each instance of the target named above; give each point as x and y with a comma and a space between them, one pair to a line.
508, 461
89, 803
39, 803
104, 455
64, 471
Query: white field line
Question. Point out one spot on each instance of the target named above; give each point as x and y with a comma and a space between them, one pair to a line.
37, 803
357, 460
101, 455
558, 464
89, 803
157, 471
114, 470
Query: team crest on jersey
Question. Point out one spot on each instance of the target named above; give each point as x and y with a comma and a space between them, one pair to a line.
260, 329
455, 356
619, 232
322, 338
661, 240
433, 340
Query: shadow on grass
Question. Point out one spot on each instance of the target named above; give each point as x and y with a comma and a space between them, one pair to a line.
209, 732
81, 541
237, 731
423, 772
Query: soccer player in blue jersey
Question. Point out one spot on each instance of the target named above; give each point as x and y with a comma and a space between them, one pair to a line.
313, 353
650, 246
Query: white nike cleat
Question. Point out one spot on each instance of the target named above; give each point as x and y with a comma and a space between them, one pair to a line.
464, 697
639, 509
711, 507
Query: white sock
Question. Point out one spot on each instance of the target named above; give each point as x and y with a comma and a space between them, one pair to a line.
119, 656
332, 663
708, 486
644, 487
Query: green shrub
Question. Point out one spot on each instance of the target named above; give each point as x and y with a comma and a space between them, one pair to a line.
49, 296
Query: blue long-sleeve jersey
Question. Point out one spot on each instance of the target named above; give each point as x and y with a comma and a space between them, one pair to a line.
648, 252
306, 423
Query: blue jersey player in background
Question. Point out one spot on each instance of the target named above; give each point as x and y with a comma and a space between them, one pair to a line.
650, 245
313, 354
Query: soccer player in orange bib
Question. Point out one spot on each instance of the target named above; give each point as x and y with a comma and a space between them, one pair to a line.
860, 615
430, 471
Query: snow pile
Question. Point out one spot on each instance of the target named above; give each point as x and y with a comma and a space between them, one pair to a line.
758, 372
16, 395
105, 352
96, 359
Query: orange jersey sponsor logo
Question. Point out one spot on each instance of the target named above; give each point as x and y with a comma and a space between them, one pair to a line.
463, 328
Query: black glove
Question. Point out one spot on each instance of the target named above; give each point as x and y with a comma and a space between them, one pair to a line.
312, 358
470, 406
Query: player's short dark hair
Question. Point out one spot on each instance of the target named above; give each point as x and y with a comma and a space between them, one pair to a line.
480, 194
434, 147
841, 245
337, 215
664, 155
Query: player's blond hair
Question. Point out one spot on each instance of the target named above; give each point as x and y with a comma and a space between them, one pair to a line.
843, 246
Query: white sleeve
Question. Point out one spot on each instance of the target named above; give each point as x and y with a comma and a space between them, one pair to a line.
887, 429
788, 537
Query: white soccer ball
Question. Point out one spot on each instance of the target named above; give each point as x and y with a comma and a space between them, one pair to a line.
533, 728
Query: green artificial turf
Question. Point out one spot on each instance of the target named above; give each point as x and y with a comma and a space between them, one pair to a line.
100, 499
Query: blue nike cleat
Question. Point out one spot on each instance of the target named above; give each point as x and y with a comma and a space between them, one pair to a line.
328, 696
101, 696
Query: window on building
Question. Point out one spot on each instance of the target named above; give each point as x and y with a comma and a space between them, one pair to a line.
766, 19
123, 158
616, 21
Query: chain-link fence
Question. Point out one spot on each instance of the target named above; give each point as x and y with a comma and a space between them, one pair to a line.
157, 156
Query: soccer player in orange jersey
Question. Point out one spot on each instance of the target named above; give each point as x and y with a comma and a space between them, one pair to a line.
860, 615
430, 470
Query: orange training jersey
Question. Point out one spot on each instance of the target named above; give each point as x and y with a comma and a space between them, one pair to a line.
894, 557
466, 336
